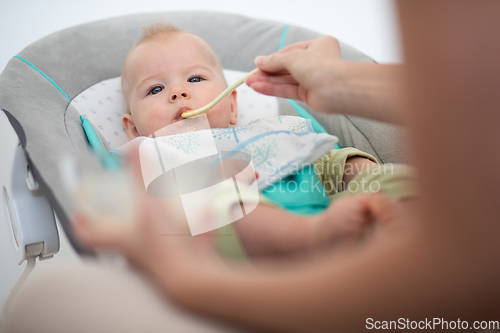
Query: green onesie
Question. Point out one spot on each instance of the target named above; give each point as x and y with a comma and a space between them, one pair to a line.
311, 189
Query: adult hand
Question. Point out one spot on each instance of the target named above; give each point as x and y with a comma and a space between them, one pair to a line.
352, 218
302, 71
158, 241
313, 72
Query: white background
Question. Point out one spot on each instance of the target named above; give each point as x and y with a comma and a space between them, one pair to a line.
368, 25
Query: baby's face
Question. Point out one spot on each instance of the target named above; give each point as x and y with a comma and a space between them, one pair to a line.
168, 75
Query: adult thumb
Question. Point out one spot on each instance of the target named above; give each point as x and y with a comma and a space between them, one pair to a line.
277, 63
383, 209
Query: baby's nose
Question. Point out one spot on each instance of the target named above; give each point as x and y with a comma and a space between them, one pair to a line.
178, 91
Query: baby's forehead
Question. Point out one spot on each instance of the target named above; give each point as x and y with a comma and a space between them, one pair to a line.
166, 44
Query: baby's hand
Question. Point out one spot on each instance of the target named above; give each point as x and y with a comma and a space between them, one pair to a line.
350, 218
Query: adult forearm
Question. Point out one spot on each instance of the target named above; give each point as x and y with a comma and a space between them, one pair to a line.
314, 72
394, 278
452, 95
364, 90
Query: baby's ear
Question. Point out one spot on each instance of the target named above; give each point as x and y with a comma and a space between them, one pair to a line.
128, 123
234, 108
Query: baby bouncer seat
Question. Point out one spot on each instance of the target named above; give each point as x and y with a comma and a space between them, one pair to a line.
47, 87
52, 82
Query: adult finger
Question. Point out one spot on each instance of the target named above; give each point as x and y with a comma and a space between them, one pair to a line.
95, 236
271, 78
325, 45
383, 209
318, 49
290, 91
296, 46
279, 62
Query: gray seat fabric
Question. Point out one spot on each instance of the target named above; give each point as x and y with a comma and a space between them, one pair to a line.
78, 57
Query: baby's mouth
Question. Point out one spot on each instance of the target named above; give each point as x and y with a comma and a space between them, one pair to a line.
179, 113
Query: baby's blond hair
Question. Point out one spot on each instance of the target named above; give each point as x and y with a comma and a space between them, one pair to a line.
154, 29
151, 31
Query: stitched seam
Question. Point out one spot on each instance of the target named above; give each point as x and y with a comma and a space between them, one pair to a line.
369, 142
44, 75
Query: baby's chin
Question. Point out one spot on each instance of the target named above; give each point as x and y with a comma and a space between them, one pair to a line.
218, 123
185, 126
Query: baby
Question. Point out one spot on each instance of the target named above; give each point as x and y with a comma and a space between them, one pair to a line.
170, 71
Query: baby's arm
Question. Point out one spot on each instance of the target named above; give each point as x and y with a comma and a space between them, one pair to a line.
271, 231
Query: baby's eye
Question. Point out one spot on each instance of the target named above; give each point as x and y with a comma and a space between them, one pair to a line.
195, 79
155, 90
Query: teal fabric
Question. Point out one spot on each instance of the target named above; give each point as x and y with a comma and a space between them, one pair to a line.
283, 37
44, 75
299, 109
301, 193
304, 114
108, 161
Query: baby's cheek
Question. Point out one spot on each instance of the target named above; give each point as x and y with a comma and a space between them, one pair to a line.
218, 117
145, 125
159, 120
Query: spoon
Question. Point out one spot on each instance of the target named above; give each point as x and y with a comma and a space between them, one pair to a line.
206, 108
